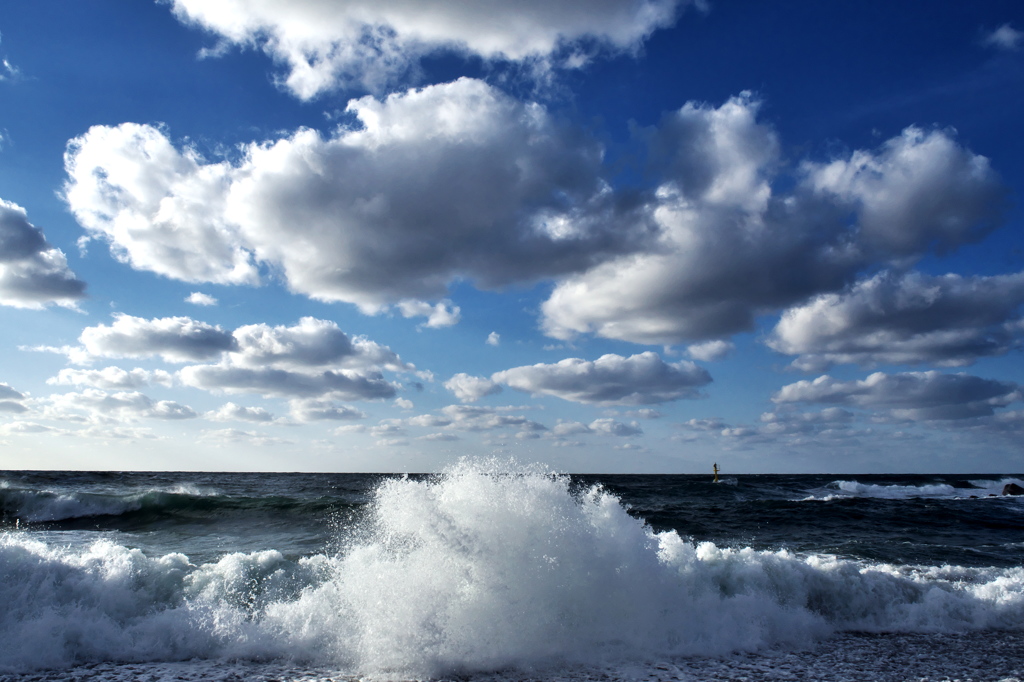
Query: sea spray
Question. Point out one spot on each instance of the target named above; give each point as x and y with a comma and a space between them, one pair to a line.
488, 566
481, 570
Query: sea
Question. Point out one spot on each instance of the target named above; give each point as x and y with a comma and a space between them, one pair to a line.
496, 570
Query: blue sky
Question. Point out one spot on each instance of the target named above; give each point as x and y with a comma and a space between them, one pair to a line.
627, 235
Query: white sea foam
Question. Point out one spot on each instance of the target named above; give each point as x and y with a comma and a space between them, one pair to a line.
844, 489
476, 570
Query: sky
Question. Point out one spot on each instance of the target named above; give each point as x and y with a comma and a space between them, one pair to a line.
603, 235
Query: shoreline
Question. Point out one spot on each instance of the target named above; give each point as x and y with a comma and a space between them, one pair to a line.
980, 656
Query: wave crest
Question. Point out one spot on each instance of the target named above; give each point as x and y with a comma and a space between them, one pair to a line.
485, 567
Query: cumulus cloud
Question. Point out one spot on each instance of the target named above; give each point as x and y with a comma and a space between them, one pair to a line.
8, 393
470, 388
442, 314
319, 410
310, 343
33, 273
920, 191
160, 209
439, 437
570, 428
793, 423
709, 351
344, 384
915, 396
611, 427
738, 239
472, 418
450, 181
493, 339
20, 427
10, 400
12, 407
388, 427
1005, 37
121, 406
199, 298
312, 359
325, 46
610, 380
233, 412
713, 424
905, 319
175, 339
230, 436
644, 413
111, 378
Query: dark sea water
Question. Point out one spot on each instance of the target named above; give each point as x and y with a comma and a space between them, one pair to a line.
498, 571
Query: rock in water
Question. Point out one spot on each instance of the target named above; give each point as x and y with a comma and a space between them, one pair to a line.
1012, 489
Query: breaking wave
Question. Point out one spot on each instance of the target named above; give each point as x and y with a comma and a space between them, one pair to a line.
964, 489
476, 569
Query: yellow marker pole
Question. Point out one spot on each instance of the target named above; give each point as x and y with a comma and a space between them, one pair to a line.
716, 472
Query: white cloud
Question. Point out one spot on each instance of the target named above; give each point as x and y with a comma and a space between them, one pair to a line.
913, 396
305, 410
233, 412
388, 427
610, 380
326, 46
199, 298
104, 407
8, 71
611, 427
645, 413
429, 421
8, 393
312, 359
33, 274
111, 378
309, 344
920, 191
20, 427
493, 339
175, 339
471, 418
733, 246
231, 436
906, 319
12, 407
450, 181
714, 424
342, 384
161, 210
440, 437
470, 388
10, 400
564, 428
793, 423
709, 351
442, 314
1005, 37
